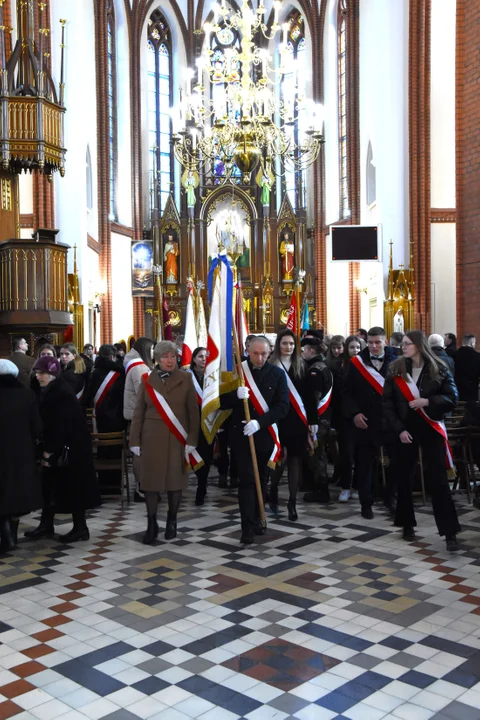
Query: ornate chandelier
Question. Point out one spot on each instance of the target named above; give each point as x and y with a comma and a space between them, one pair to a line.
233, 113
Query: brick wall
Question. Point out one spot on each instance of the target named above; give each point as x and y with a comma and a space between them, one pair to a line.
468, 167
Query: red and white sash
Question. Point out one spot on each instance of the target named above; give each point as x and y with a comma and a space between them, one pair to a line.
133, 363
172, 422
372, 376
197, 387
299, 407
79, 394
258, 402
324, 403
410, 391
105, 387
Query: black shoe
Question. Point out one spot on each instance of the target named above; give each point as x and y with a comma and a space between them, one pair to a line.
222, 481
171, 528
292, 510
75, 535
138, 498
7, 543
259, 528
40, 531
367, 513
452, 543
200, 495
409, 534
247, 539
152, 531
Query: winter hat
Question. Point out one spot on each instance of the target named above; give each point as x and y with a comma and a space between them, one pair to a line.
7, 367
48, 365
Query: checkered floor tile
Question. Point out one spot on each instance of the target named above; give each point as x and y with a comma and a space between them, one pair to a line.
329, 617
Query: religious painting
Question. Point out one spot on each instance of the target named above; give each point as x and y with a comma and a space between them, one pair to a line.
171, 253
286, 251
142, 268
229, 229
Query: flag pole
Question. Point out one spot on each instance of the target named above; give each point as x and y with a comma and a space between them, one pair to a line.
251, 441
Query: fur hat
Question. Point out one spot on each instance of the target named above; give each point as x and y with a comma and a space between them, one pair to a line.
48, 365
7, 367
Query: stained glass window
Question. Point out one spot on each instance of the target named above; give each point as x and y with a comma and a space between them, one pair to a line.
159, 87
292, 95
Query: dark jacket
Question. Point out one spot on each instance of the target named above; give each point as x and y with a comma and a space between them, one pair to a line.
20, 426
73, 487
360, 397
25, 364
77, 381
109, 413
467, 372
293, 431
441, 393
441, 353
319, 382
272, 384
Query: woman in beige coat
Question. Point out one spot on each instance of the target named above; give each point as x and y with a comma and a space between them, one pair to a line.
167, 398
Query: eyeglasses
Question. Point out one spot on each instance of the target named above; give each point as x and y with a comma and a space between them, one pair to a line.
405, 344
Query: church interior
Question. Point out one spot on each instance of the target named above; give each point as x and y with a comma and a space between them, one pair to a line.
330, 147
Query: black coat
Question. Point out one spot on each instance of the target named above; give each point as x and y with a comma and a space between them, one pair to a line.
109, 414
441, 393
444, 357
467, 372
319, 381
76, 381
272, 384
293, 431
360, 397
74, 486
20, 426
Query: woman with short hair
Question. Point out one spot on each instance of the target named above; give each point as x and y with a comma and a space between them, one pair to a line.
419, 392
164, 435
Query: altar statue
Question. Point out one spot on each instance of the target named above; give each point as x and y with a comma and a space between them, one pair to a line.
287, 252
399, 321
170, 255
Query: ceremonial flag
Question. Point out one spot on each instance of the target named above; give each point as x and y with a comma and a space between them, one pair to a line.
190, 339
305, 324
167, 328
240, 316
218, 377
202, 333
292, 322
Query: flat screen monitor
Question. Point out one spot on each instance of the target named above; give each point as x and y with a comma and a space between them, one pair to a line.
355, 243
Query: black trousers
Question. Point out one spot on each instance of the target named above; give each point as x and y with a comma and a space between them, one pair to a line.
247, 491
404, 458
367, 450
224, 461
206, 453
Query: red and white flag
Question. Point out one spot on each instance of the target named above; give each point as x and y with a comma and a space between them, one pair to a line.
292, 322
190, 340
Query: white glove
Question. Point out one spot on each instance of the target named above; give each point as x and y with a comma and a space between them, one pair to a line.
251, 427
243, 393
313, 429
136, 451
189, 450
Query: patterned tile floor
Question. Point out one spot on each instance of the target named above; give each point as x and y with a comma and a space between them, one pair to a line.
328, 617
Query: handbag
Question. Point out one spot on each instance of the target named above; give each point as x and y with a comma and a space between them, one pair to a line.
63, 458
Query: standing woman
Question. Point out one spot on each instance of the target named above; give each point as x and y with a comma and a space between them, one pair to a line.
302, 417
74, 369
204, 448
137, 363
69, 482
164, 433
419, 392
20, 426
342, 425
335, 350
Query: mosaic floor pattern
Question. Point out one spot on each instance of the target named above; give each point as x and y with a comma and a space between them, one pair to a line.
330, 617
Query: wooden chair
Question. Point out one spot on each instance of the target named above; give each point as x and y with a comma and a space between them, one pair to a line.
113, 439
458, 437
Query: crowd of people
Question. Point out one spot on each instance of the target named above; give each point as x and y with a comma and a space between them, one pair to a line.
364, 403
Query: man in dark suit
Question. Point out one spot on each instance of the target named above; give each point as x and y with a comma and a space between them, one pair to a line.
467, 369
23, 361
272, 385
362, 403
